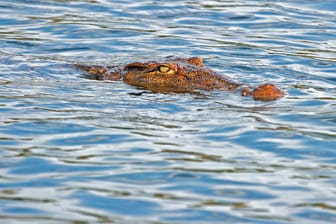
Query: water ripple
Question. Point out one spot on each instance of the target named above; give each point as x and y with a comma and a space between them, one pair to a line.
79, 150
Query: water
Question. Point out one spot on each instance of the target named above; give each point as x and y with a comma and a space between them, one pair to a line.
76, 150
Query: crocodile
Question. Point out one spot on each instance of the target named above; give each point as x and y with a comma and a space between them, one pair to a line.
178, 75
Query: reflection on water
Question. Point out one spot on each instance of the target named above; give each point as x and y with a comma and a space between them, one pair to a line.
79, 150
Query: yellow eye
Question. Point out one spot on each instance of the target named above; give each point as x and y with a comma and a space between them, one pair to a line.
164, 68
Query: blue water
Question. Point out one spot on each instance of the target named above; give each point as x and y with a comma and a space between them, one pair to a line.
76, 150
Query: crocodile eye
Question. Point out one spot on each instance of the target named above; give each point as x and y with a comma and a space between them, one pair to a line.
164, 68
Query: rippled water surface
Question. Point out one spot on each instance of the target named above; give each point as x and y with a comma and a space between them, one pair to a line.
77, 150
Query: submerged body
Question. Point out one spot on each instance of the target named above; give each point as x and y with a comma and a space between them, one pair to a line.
178, 75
